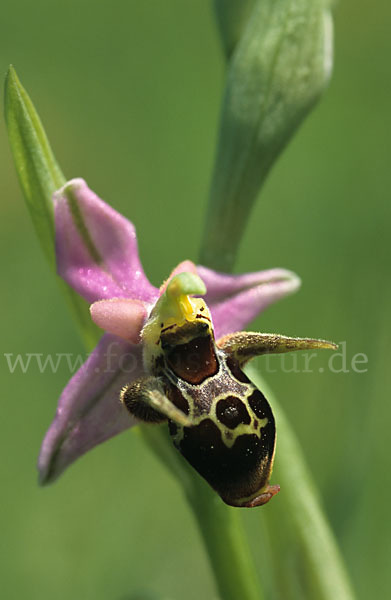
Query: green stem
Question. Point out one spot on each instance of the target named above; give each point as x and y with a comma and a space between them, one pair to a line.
229, 553
220, 525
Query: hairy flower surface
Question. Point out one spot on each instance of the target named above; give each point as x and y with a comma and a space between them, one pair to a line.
97, 255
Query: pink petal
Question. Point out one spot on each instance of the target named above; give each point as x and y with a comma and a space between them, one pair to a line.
96, 247
235, 300
89, 410
120, 316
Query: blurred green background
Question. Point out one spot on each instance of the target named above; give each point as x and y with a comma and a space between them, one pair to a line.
129, 94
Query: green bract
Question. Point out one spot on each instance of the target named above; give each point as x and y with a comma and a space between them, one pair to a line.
38, 171
39, 176
277, 72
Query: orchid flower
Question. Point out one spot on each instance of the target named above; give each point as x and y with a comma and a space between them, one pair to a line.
97, 255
